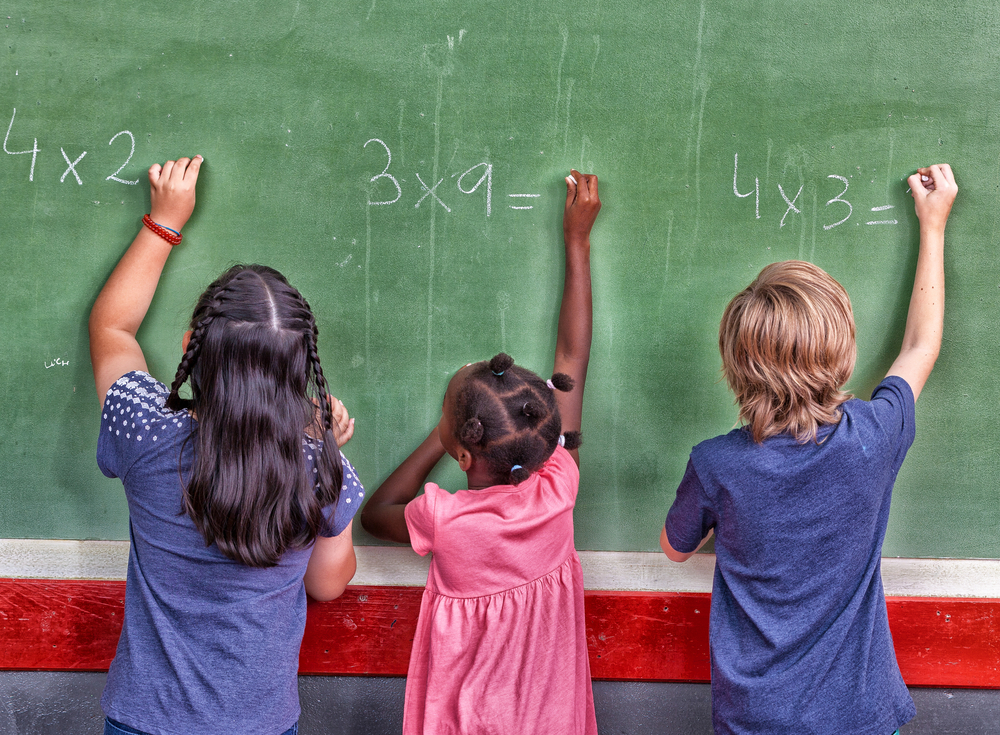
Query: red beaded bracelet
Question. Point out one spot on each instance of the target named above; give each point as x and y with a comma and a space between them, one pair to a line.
171, 236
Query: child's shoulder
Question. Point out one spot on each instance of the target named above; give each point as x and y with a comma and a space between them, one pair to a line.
137, 391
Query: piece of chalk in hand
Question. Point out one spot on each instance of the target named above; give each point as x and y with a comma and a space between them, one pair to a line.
572, 179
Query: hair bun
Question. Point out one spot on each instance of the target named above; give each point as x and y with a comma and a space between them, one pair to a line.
471, 432
519, 474
531, 408
562, 382
500, 363
572, 439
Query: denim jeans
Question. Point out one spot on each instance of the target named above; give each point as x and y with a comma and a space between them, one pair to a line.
111, 727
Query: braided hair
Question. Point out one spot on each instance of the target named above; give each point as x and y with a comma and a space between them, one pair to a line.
257, 387
507, 416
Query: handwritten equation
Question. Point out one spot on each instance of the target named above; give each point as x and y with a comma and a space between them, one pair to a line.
70, 165
466, 183
841, 206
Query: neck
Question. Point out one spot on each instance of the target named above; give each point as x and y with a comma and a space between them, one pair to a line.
477, 478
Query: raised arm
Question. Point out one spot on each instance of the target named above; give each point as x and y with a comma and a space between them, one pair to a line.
122, 304
576, 316
383, 515
933, 191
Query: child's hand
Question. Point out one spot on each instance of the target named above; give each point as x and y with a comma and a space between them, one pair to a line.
582, 205
933, 191
171, 191
343, 423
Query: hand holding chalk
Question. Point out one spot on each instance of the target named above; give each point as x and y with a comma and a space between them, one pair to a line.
934, 195
172, 191
582, 206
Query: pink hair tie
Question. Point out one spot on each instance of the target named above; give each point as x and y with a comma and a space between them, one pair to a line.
562, 440
550, 384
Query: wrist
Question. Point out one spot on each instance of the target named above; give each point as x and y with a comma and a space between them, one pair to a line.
168, 219
167, 233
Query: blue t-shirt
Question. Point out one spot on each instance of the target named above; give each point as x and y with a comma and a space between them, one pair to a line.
799, 635
208, 645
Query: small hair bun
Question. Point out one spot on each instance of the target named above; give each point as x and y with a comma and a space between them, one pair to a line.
471, 432
519, 474
572, 440
531, 408
500, 363
562, 382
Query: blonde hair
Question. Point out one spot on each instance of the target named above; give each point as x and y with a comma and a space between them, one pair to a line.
787, 344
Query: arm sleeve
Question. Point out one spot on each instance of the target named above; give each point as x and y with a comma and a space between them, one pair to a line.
419, 514
893, 404
133, 406
352, 494
690, 517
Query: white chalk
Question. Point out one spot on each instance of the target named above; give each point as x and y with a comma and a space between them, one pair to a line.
571, 179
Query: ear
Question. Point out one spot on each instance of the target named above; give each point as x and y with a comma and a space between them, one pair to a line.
184, 341
464, 458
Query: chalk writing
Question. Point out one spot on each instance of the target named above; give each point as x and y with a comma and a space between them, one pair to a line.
385, 174
71, 166
523, 196
481, 173
850, 208
54, 363
792, 207
755, 192
114, 176
33, 151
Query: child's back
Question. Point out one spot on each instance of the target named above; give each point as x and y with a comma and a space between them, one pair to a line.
502, 606
798, 624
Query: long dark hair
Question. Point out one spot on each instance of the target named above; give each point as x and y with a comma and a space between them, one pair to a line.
257, 388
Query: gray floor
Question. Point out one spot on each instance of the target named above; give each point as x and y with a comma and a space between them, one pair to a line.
46, 703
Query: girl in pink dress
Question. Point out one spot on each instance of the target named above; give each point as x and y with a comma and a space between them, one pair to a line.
501, 643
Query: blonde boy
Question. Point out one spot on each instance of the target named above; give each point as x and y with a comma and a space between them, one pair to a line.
798, 498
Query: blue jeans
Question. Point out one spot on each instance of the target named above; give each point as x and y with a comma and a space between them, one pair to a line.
112, 727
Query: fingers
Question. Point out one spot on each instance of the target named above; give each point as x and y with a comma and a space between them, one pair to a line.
918, 183
581, 188
172, 172
342, 421
191, 174
571, 186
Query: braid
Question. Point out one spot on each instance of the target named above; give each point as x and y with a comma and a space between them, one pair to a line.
174, 401
319, 381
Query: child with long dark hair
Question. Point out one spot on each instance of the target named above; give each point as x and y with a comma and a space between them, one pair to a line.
798, 497
501, 640
239, 499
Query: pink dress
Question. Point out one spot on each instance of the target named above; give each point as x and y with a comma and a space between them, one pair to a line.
501, 641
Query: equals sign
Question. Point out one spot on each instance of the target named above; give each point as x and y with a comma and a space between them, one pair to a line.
883, 208
523, 196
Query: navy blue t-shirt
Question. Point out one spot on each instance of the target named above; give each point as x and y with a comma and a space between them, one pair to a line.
799, 635
208, 645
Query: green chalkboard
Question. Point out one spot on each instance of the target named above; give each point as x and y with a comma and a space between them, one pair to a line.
403, 164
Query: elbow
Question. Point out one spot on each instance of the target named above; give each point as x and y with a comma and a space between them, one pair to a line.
670, 551
366, 519
332, 586
677, 556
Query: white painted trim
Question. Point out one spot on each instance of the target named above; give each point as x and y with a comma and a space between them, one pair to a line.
602, 570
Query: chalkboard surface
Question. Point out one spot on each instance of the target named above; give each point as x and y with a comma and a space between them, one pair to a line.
402, 163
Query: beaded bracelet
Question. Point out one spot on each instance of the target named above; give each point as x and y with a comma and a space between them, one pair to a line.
171, 236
